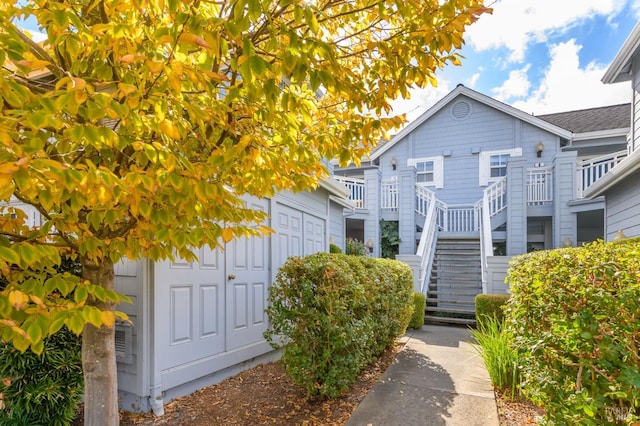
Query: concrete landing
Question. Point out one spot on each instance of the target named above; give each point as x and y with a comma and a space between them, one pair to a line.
437, 379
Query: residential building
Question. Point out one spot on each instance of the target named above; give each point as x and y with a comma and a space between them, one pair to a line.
473, 177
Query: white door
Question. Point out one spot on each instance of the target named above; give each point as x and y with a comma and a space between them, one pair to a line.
248, 277
314, 234
288, 238
190, 315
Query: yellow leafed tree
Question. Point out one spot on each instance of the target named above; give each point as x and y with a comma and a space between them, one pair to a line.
135, 125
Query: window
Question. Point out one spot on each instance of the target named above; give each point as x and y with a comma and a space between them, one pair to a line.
498, 165
424, 172
429, 171
493, 164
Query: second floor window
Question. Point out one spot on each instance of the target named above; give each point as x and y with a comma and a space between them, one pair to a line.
498, 165
429, 171
493, 164
424, 172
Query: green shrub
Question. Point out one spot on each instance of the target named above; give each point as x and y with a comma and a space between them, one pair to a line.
389, 239
419, 304
490, 306
43, 389
334, 249
499, 354
333, 314
355, 247
575, 317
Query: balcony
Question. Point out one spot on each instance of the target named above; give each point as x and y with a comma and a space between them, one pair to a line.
356, 189
590, 171
539, 184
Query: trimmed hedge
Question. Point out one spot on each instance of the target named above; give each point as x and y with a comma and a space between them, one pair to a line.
333, 248
490, 306
419, 305
335, 313
575, 315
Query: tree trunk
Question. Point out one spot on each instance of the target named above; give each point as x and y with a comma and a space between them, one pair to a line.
99, 356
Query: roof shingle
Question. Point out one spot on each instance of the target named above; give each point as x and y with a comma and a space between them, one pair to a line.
592, 119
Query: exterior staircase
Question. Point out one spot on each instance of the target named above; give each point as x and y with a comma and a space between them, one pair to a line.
456, 279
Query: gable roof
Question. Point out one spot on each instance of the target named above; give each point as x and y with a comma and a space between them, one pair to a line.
479, 97
620, 68
592, 119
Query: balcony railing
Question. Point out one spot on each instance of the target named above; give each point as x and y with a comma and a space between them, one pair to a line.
539, 186
356, 189
590, 171
390, 194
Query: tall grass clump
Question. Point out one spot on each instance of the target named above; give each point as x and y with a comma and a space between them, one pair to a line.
499, 355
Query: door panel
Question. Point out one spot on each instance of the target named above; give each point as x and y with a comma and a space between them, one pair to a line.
314, 234
288, 227
247, 261
190, 308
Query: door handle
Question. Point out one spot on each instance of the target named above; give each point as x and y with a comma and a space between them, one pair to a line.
231, 277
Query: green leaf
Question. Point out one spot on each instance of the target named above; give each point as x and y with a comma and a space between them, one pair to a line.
9, 255
80, 295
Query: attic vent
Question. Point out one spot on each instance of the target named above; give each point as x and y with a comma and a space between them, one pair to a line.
461, 110
124, 343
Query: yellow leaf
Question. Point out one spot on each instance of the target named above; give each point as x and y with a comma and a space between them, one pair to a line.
127, 59
227, 234
18, 299
8, 168
35, 299
108, 318
191, 38
80, 97
170, 129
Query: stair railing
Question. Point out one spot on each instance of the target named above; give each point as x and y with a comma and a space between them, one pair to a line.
496, 195
486, 240
426, 246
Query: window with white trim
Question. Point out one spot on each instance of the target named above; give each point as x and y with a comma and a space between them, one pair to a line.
493, 164
429, 171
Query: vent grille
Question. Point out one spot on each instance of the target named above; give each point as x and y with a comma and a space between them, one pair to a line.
124, 343
461, 110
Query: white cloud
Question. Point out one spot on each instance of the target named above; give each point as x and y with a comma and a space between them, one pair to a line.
471, 82
421, 100
565, 86
515, 27
516, 86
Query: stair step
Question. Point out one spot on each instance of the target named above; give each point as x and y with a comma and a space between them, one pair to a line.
448, 320
454, 292
450, 310
451, 301
458, 283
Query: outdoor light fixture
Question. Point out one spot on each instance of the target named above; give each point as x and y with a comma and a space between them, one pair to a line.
539, 149
394, 163
369, 245
567, 242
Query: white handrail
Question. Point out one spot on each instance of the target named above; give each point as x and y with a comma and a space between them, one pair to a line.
496, 195
486, 239
539, 185
356, 189
390, 194
590, 171
426, 246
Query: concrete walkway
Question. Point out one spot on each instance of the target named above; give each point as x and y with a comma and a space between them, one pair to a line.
437, 379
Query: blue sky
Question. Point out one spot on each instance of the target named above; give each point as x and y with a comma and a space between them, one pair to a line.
540, 56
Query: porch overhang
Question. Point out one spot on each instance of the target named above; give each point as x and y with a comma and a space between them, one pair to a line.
623, 169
